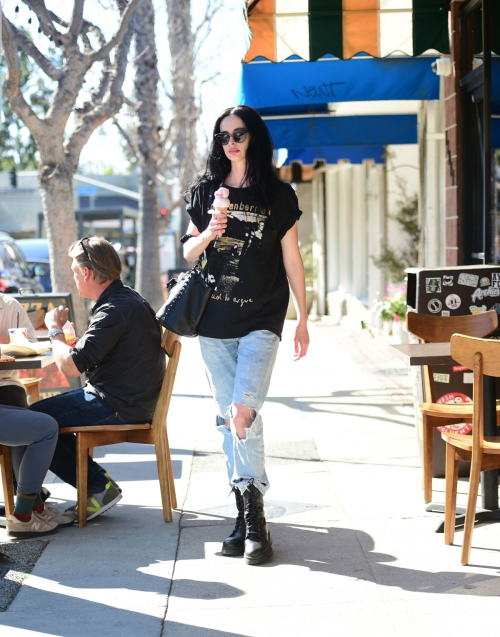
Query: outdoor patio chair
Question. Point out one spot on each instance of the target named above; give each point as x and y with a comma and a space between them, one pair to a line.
483, 357
439, 329
31, 384
7, 484
150, 434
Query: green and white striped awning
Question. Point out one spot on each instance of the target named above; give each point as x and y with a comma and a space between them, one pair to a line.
343, 28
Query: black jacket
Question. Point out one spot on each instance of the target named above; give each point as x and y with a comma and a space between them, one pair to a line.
121, 353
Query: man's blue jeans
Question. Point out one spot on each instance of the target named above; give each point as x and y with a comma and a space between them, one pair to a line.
77, 408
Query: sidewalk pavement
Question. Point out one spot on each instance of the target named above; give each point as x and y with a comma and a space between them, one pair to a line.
355, 551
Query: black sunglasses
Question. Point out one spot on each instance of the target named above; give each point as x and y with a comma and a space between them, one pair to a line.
85, 250
239, 135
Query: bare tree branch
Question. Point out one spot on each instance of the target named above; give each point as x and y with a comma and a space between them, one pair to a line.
98, 95
211, 11
46, 21
30, 49
89, 27
12, 82
87, 122
125, 20
76, 19
130, 103
131, 146
55, 18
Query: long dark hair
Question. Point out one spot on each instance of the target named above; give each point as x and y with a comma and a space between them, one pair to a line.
260, 168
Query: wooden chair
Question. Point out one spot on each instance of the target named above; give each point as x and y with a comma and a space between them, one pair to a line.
7, 484
439, 329
32, 387
150, 434
483, 357
32, 383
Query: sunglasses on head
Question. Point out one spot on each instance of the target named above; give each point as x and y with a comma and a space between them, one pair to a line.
85, 249
239, 135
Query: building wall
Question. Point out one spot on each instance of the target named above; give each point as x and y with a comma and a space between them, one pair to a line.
304, 194
403, 172
20, 207
352, 210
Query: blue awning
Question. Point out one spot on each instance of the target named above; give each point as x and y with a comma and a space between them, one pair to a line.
309, 85
332, 154
362, 130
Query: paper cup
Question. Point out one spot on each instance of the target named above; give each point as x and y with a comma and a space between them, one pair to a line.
18, 334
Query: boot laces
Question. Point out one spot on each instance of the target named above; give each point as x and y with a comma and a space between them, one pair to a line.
251, 514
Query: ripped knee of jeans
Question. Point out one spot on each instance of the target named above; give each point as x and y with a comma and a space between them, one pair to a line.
245, 421
222, 424
242, 415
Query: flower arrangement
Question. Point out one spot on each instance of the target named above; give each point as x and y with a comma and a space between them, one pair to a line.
392, 308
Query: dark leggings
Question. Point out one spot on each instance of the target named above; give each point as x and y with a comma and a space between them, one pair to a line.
13, 395
32, 437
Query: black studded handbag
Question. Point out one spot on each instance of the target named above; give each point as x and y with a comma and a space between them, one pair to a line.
188, 295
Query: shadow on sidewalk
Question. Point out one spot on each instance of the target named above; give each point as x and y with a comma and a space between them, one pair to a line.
347, 553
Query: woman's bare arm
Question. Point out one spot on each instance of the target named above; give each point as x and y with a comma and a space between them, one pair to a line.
295, 273
200, 240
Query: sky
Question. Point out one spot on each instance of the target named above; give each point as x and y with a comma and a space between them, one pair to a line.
223, 47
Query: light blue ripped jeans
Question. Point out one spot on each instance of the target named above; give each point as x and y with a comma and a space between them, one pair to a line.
239, 371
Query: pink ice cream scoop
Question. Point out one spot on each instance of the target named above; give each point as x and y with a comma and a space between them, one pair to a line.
221, 201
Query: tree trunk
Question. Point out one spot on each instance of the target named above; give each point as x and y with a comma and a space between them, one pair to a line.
181, 42
148, 280
56, 191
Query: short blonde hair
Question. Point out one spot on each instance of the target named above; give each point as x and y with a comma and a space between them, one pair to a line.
104, 260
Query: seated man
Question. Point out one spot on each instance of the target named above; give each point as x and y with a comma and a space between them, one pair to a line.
121, 355
12, 314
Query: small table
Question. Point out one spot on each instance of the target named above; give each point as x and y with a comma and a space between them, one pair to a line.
416, 354
29, 362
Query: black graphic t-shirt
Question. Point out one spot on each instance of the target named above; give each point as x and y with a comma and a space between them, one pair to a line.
245, 264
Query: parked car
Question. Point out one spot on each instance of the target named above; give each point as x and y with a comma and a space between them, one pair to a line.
36, 252
14, 270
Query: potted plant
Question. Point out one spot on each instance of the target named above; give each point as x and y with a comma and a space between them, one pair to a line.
392, 311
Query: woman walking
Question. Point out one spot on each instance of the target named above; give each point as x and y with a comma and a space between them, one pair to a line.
251, 243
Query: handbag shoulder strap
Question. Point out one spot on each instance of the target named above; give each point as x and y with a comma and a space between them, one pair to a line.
210, 195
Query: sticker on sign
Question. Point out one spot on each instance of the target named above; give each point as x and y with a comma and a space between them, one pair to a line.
441, 378
468, 279
456, 398
434, 306
433, 286
453, 301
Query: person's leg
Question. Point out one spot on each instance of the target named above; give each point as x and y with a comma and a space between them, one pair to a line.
13, 395
32, 439
77, 408
220, 358
256, 357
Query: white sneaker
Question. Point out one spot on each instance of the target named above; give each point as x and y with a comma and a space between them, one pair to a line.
36, 527
51, 514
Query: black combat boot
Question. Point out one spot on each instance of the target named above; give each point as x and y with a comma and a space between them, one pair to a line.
258, 544
235, 543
